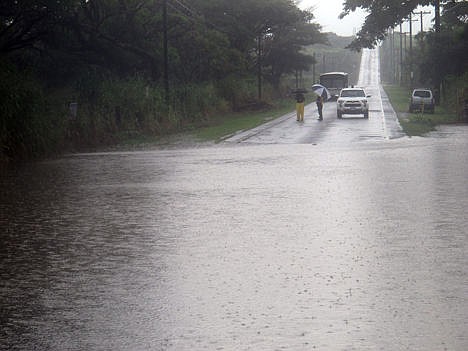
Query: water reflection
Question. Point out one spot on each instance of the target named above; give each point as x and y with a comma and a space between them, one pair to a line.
253, 247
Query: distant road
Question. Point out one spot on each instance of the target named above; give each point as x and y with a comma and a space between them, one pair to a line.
381, 125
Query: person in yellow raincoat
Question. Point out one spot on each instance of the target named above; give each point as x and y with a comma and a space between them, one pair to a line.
300, 100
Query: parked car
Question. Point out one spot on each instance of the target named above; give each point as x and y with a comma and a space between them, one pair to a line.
422, 100
352, 101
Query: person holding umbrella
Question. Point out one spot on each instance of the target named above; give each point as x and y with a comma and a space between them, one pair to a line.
319, 103
322, 95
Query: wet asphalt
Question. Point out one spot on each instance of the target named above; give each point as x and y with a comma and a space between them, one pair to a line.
339, 235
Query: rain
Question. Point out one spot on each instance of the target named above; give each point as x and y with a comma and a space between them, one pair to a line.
333, 235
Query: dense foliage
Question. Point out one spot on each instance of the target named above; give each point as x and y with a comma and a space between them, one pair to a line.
444, 53
438, 58
146, 65
382, 14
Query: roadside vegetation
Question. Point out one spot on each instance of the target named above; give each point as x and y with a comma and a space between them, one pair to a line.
78, 74
211, 129
223, 125
418, 123
436, 61
83, 74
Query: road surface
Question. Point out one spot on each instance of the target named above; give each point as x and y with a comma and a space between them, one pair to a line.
382, 122
320, 236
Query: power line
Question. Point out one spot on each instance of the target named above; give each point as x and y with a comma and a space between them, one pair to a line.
421, 14
191, 14
183, 8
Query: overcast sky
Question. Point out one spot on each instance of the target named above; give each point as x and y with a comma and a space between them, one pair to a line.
326, 14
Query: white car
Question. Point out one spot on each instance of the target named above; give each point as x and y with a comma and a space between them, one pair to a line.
352, 101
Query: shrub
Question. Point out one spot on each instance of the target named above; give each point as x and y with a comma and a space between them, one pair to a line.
116, 108
29, 125
453, 89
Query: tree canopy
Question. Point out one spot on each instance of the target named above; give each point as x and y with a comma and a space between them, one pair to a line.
146, 65
207, 39
444, 53
382, 14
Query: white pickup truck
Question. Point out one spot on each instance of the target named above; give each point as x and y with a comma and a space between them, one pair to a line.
422, 100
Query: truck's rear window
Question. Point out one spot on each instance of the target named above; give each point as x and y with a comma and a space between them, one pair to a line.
422, 93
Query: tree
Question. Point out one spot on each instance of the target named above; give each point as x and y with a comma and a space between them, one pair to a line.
440, 59
445, 52
285, 41
24, 23
102, 52
270, 34
198, 50
382, 14
121, 36
65, 35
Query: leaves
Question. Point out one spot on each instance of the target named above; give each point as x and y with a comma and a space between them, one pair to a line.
72, 46
382, 14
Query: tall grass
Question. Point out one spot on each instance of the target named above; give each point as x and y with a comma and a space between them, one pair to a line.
223, 125
453, 98
114, 109
35, 121
30, 126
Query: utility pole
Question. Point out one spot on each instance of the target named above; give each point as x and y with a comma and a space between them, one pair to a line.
406, 55
166, 59
421, 13
313, 70
392, 49
401, 55
259, 66
437, 15
437, 79
411, 49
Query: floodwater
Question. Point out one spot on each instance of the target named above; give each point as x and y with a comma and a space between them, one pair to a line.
239, 247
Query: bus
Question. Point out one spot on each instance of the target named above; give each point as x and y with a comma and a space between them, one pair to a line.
334, 82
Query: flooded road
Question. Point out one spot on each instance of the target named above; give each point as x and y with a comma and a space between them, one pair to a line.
337, 243
255, 247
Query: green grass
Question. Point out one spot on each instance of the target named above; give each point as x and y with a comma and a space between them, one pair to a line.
416, 124
213, 129
399, 97
221, 126
134, 139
